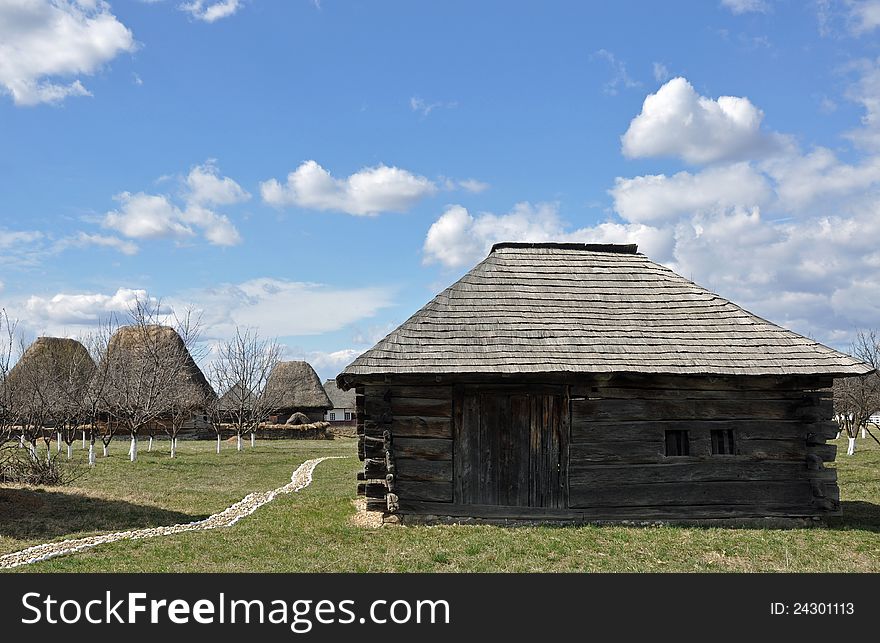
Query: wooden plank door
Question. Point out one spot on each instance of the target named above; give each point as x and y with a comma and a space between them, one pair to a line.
510, 449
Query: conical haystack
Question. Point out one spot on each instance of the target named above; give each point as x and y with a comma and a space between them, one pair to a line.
295, 387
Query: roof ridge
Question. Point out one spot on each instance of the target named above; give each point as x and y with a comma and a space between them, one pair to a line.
617, 248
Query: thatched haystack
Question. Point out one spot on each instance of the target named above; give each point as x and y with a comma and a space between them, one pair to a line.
294, 387
139, 348
52, 369
298, 418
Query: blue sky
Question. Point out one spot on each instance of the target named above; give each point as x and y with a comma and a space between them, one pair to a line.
321, 169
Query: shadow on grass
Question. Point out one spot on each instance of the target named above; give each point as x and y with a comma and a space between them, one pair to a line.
857, 514
35, 514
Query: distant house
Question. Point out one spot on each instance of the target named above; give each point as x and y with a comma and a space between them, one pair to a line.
295, 394
343, 411
586, 382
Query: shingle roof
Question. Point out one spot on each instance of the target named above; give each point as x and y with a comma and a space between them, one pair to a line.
339, 398
580, 308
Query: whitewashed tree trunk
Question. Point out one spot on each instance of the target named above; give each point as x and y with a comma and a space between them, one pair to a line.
69, 451
253, 440
218, 443
837, 437
134, 448
863, 433
239, 442
150, 445
21, 441
92, 455
105, 449
173, 447
33, 450
84, 438
48, 455
58, 441
851, 449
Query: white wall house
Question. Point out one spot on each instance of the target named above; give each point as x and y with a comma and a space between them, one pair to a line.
343, 403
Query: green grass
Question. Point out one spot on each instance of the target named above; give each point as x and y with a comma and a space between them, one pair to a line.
312, 531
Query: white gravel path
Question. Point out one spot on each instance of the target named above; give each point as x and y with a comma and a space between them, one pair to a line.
300, 479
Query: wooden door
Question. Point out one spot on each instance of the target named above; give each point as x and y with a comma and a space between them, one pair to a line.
510, 448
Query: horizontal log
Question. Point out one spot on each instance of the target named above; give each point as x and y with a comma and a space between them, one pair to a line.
584, 411
674, 514
826, 452
612, 392
739, 382
609, 431
360, 476
427, 448
427, 470
376, 504
423, 490
408, 406
424, 392
719, 469
413, 426
374, 468
373, 447
789, 493
375, 489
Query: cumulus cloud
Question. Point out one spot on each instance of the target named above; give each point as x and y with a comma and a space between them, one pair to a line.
206, 186
87, 309
788, 234
458, 239
45, 41
157, 216
655, 198
367, 192
207, 11
328, 364
746, 6
866, 92
678, 122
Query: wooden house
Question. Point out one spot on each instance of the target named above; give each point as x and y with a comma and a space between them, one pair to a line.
294, 389
586, 382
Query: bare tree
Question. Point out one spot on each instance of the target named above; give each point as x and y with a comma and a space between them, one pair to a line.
241, 370
8, 412
97, 415
857, 398
145, 362
191, 392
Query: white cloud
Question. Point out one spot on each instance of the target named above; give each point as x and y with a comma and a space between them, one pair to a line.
146, 216
367, 192
156, 216
207, 11
12, 238
84, 239
655, 198
864, 16
86, 309
474, 186
790, 235
676, 121
620, 78
42, 41
661, 73
281, 308
422, 106
746, 6
866, 92
206, 186
458, 239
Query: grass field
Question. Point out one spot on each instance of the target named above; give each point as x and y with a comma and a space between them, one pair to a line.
312, 531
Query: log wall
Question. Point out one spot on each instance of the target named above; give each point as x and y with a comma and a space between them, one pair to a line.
617, 463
